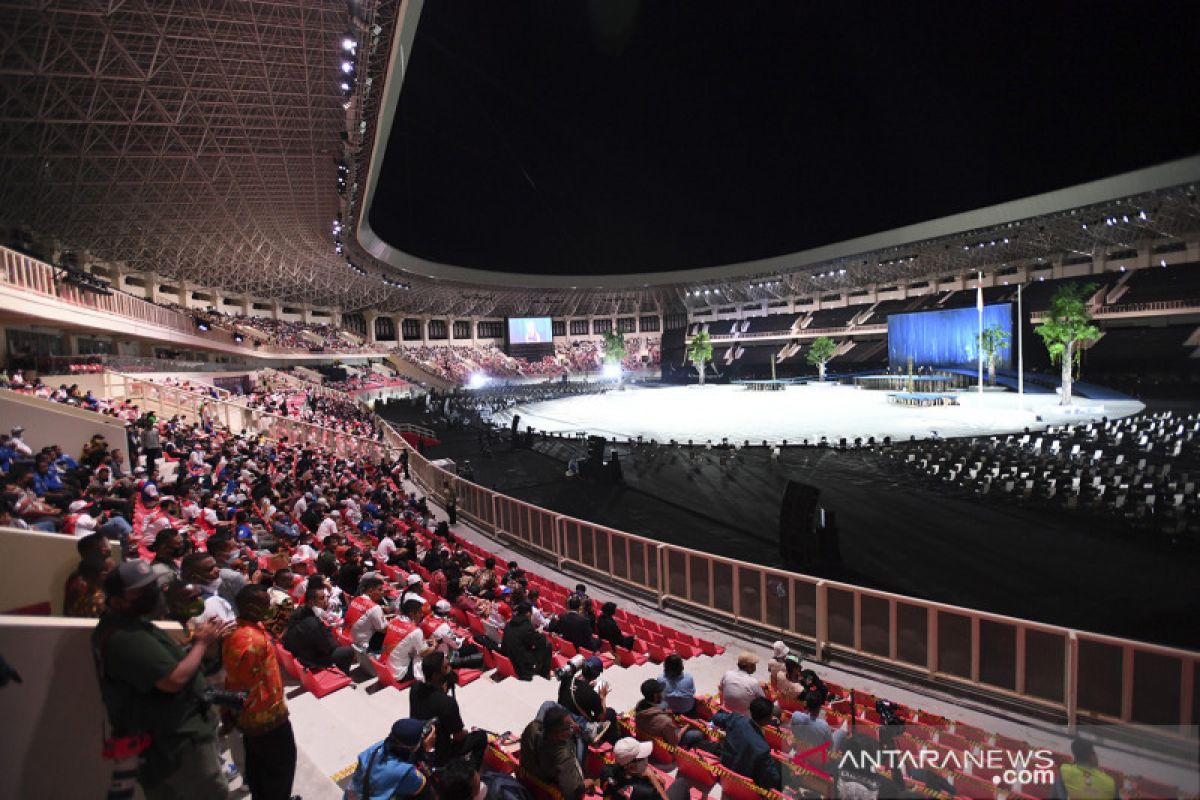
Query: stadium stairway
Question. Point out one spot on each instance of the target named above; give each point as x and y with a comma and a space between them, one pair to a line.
332, 730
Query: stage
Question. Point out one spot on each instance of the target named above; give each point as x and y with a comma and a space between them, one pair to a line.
802, 412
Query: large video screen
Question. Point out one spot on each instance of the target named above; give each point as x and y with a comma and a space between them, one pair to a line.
530, 330
947, 338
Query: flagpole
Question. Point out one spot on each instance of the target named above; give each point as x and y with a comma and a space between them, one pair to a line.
979, 341
1020, 352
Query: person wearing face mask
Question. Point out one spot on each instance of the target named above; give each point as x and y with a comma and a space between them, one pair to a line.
251, 667
629, 776
154, 693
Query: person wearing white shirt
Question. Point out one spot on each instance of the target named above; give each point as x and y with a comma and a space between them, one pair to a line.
371, 622
739, 686
387, 546
18, 444
328, 525
404, 656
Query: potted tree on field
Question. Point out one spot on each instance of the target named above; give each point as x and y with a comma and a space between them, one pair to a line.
700, 352
1066, 329
991, 342
820, 352
613, 348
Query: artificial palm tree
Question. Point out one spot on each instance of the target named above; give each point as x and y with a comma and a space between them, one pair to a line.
699, 352
1066, 328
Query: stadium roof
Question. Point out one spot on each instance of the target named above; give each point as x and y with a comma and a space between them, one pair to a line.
528, 153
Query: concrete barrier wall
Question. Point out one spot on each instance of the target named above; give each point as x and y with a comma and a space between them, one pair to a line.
52, 748
49, 423
33, 570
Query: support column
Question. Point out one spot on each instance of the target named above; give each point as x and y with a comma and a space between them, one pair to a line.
306, 313
370, 317
276, 309
152, 286
397, 319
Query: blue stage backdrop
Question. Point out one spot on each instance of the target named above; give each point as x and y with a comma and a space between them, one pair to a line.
947, 338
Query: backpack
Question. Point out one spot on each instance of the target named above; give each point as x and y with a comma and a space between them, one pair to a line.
504, 787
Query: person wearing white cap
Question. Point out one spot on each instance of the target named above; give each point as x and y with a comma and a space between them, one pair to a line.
415, 591
18, 444
629, 775
775, 666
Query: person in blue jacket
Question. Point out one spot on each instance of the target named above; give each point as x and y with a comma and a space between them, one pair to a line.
395, 767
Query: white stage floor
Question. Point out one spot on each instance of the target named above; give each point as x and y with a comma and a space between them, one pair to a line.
797, 413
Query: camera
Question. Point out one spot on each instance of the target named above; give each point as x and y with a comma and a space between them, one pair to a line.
225, 698
570, 668
889, 712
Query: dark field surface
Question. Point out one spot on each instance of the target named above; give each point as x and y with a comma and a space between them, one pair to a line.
896, 532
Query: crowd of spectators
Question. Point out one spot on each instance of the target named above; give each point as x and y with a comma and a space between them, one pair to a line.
294, 335
458, 363
256, 546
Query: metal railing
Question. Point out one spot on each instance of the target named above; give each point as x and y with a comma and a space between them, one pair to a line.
798, 333
1078, 674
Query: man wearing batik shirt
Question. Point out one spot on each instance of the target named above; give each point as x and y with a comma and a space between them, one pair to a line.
251, 667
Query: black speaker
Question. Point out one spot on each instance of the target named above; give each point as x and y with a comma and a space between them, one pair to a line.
798, 545
595, 449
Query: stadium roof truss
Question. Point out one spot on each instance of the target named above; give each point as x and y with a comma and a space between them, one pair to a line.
192, 138
200, 140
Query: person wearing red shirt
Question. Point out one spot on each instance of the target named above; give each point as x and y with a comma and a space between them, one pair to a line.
251, 667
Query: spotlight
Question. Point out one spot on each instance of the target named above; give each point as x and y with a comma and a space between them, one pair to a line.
347, 67
237, 337
477, 380
348, 44
612, 371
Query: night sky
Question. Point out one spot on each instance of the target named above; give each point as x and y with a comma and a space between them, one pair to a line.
615, 136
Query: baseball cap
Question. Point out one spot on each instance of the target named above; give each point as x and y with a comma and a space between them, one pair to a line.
442, 607
414, 579
629, 749
77, 506
127, 576
594, 664
150, 492
407, 732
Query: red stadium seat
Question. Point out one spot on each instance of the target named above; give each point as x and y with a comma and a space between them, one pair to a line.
324, 681
384, 674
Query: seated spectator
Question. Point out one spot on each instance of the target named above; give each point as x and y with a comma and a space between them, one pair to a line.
528, 650
629, 775
744, 749
404, 644
608, 629
679, 690
1083, 777
548, 753
653, 721
84, 591
738, 686
310, 640
430, 699
574, 626
396, 767
365, 618
167, 548
811, 732
282, 604
857, 778
583, 694
788, 683
779, 653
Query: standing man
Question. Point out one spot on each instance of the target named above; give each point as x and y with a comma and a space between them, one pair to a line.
152, 688
151, 445
450, 497
251, 667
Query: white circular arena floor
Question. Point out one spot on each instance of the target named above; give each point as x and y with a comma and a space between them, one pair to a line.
798, 413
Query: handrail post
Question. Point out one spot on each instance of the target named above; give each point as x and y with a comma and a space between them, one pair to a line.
822, 614
660, 554
1071, 681
931, 641
1127, 678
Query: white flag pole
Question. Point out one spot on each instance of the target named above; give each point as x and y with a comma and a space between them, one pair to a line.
979, 341
1020, 352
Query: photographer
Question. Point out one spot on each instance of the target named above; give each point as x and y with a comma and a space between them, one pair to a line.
583, 693
151, 688
433, 699
251, 667
393, 768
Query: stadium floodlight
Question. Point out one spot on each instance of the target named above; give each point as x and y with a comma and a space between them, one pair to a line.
348, 44
347, 67
477, 380
612, 371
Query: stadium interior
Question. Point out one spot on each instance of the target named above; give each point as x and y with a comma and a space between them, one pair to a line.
368, 313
